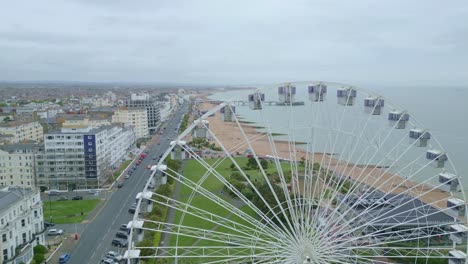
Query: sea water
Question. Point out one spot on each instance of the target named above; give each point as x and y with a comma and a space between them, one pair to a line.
442, 110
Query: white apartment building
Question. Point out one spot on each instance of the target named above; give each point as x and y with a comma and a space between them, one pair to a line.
135, 117
23, 131
17, 165
81, 121
144, 100
21, 224
82, 158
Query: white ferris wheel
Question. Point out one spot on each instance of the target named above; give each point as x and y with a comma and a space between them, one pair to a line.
313, 172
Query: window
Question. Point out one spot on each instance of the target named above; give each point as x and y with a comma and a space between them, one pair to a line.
24, 238
5, 254
4, 238
23, 222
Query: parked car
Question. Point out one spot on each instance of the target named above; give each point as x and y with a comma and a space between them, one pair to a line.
92, 191
55, 232
120, 185
54, 193
107, 260
62, 199
121, 234
48, 224
78, 197
114, 255
124, 227
118, 242
132, 208
127, 176
64, 258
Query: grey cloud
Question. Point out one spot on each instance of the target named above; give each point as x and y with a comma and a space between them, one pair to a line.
219, 41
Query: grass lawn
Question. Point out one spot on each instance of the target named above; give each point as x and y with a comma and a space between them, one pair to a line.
67, 212
195, 171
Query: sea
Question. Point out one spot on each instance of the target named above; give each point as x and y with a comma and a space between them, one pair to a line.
441, 110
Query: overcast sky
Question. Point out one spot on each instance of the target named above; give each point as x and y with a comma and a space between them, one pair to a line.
235, 42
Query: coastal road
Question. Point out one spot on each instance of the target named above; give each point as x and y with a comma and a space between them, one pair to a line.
97, 235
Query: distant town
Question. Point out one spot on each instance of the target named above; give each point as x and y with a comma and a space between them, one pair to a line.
60, 138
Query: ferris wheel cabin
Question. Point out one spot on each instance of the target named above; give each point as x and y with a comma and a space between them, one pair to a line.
438, 157
201, 129
256, 100
287, 94
450, 182
398, 119
419, 137
317, 92
456, 207
373, 105
457, 257
346, 96
459, 234
227, 112
178, 153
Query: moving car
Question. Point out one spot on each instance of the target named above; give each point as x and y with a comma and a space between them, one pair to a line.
55, 232
64, 258
77, 197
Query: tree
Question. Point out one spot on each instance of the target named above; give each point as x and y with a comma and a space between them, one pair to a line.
237, 176
264, 164
269, 195
252, 164
164, 190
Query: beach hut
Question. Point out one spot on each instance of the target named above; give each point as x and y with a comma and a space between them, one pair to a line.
317, 92
201, 129
457, 257
455, 207
419, 137
178, 152
287, 94
227, 112
438, 157
450, 182
346, 96
398, 119
459, 234
256, 100
373, 105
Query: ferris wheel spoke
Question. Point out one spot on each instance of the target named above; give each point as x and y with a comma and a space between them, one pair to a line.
283, 211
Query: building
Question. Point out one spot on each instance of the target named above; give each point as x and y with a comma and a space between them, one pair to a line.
17, 165
143, 100
21, 224
135, 117
23, 131
392, 216
82, 158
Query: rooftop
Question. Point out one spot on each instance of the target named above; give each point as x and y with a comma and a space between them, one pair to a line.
11, 195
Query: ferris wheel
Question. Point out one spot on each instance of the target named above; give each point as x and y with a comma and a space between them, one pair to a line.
314, 172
